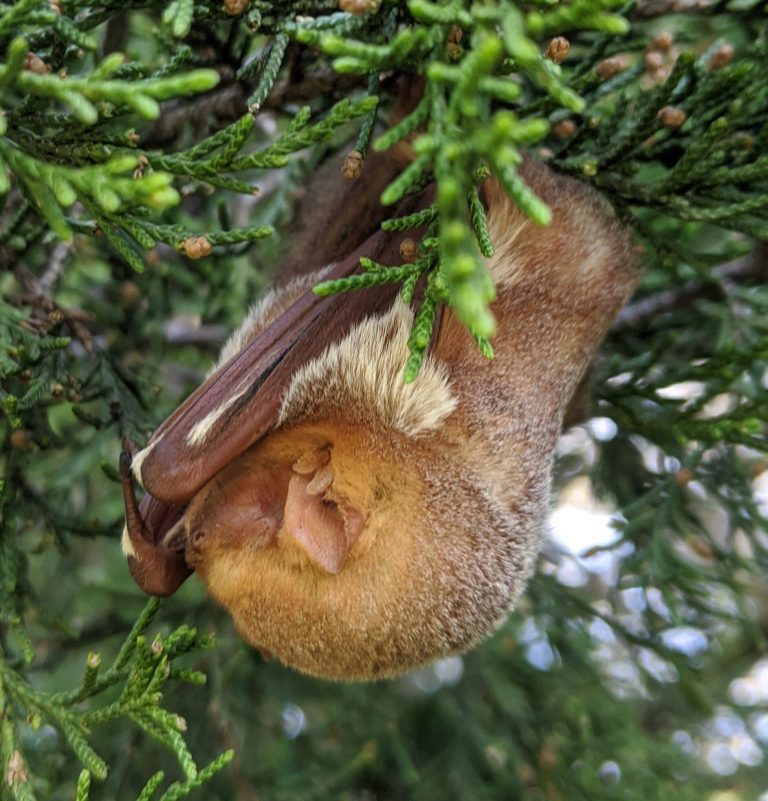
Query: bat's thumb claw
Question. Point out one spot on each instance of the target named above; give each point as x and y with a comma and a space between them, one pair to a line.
126, 460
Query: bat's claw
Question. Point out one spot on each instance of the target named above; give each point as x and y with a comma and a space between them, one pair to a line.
126, 460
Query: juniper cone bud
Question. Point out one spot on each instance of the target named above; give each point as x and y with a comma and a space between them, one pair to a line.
653, 60
409, 250
558, 49
454, 37
722, 56
358, 6
129, 293
564, 129
609, 67
661, 75
35, 64
16, 771
196, 247
662, 41
671, 116
353, 165
20, 440
141, 166
702, 548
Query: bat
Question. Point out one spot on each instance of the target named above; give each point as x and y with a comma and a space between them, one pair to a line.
355, 526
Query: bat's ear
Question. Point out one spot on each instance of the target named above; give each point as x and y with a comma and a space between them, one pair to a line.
320, 521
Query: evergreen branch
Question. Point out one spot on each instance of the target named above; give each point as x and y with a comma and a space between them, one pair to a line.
178, 16
421, 333
479, 223
414, 220
81, 94
272, 61
381, 275
180, 790
144, 669
55, 187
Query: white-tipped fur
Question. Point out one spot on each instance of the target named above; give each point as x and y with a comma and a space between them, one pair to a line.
138, 460
264, 311
200, 430
126, 544
505, 263
362, 376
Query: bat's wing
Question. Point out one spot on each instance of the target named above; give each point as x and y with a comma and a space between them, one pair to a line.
236, 406
240, 402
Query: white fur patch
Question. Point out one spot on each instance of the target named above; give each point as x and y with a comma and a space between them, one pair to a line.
126, 544
504, 228
199, 432
363, 375
138, 460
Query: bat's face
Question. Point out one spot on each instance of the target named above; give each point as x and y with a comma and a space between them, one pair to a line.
346, 560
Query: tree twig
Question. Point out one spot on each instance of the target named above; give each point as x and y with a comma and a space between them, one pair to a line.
754, 265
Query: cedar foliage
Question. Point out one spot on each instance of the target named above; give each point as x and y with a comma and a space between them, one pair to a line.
134, 140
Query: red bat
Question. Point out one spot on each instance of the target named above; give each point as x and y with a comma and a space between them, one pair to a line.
356, 526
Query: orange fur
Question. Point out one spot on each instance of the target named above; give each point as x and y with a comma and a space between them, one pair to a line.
454, 509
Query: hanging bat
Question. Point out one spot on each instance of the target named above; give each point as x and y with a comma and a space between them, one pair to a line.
356, 526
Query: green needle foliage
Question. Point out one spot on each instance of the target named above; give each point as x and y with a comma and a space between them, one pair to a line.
151, 155
142, 668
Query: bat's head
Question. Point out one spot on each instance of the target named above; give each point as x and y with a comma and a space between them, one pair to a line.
352, 556
357, 540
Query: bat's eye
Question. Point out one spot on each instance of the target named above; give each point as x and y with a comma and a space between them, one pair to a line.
329, 504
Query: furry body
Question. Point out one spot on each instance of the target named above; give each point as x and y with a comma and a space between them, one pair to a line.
380, 525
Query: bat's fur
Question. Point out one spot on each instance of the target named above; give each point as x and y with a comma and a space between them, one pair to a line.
450, 474
361, 378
